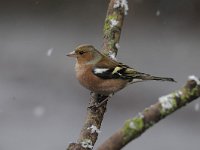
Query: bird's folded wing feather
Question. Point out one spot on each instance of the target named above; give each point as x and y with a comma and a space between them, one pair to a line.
114, 71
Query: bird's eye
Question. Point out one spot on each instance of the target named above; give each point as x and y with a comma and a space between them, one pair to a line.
81, 52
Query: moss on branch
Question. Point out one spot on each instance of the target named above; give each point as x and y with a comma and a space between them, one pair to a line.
165, 106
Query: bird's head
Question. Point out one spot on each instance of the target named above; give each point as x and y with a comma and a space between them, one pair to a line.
85, 54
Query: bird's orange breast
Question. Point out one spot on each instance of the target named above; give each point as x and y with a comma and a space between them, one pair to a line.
95, 84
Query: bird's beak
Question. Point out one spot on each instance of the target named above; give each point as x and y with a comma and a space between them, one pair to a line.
71, 54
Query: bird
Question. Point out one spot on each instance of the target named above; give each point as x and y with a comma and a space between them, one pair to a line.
102, 74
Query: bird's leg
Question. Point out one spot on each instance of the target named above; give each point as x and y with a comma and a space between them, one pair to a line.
93, 99
98, 100
91, 93
101, 100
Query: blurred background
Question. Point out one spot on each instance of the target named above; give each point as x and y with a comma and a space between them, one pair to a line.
42, 105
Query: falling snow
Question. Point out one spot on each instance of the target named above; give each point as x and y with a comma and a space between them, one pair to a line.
49, 52
196, 107
158, 13
38, 111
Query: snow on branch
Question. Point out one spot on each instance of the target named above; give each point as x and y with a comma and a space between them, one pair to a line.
165, 106
123, 4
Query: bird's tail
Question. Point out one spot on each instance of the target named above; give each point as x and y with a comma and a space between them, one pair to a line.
143, 76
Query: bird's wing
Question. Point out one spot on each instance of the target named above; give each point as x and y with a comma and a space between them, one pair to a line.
111, 69
114, 71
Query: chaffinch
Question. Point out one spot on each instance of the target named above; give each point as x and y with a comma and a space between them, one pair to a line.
103, 75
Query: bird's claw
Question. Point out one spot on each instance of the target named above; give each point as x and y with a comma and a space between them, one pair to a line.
96, 105
98, 101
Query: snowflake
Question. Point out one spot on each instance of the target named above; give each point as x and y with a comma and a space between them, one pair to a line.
158, 13
196, 107
39, 111
49, 52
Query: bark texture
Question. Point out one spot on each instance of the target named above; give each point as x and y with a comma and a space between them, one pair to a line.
165, 106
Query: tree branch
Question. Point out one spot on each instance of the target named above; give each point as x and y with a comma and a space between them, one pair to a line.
112, 27
165, 106
112, 30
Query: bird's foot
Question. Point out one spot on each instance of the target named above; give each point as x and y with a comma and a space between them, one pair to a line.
98, 100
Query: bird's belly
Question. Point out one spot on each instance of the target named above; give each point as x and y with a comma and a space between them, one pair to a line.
98, 85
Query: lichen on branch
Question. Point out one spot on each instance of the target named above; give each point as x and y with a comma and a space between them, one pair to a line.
113, 26
165, 106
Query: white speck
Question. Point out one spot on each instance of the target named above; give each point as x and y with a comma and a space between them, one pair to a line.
180, 93
94, 129
132, 125
196, 107
158, 13
87, 143
140, 115
112, 55
123, 4
49, 52
136, 80
100, 70
117, 45
166, 102
192, 77
39, 111
151, 106
113, 23
117, 4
